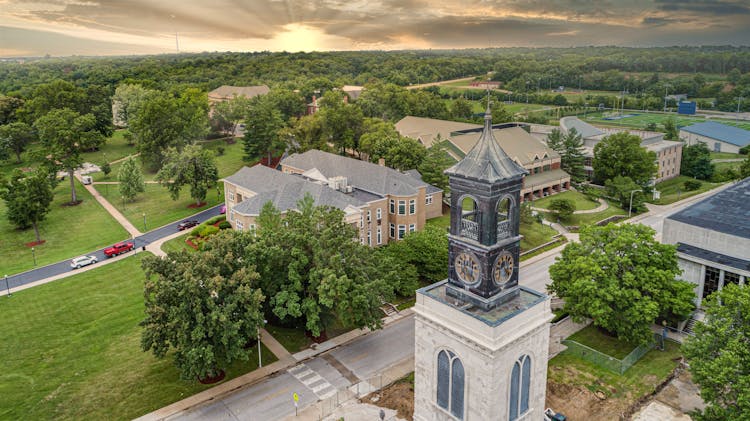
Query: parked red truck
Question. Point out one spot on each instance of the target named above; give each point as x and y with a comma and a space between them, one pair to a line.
118, 248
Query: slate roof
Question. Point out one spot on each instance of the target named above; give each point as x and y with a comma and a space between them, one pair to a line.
426, 129
727, 211
228, 92
515, 141
713, 256
360, 174
583, 128
487, 161
284, 191
722, 132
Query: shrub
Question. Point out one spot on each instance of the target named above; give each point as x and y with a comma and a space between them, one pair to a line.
208, 231
215, 219
220, 150
195, 232
691, 185
745, 150
224, 225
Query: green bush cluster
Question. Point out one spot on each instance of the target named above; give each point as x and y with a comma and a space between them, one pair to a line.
691, 185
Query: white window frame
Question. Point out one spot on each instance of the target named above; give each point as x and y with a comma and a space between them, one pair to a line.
231, 196
392, 207
379, 236
369, 238
400, 204
392, 230
401, 231
428, 199
412, 227
240, 225
231, 215
369, 215
412, 206
378, 214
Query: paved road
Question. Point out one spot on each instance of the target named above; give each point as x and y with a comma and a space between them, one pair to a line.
64, 266
314, 379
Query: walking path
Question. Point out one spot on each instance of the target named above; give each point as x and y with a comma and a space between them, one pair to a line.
603, 205
119, 217
117, 182
716, 161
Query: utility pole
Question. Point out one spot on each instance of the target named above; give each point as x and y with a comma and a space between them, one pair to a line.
666, 85
739, 101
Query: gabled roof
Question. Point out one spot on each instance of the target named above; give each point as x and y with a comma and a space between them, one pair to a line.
228, 92
284, 191
515, 141
729, 134
360, 174
426, 129
487, 161
727, 211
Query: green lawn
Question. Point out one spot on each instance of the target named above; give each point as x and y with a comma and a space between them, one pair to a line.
294, 340
68, 231
231, 161
115, 148
673, 190
581, 201
592, 218
641, 119
726, 155
592, 337
637, 381
720, 167
156, 203
115, 170
71, 350
177, 244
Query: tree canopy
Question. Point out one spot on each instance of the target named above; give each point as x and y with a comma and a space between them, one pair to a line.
719, 357
28, 198
621, 154
14, 137
204, 306
262, 130
194, 167
623, 279
130, 177
696, 161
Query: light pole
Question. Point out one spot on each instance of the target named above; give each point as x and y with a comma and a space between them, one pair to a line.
6, 285
144, 221
739, 101
630, 208
33, 255
666, 86
527, 91
260, 362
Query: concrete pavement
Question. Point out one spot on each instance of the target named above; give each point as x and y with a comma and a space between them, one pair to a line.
119, 217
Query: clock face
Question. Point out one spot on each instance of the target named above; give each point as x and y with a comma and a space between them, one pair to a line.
503, 269
467, 268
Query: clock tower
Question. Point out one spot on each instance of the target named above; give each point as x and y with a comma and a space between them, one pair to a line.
483, 245
481, 339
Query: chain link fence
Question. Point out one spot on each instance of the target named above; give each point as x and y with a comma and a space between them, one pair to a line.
609, 362
329, 405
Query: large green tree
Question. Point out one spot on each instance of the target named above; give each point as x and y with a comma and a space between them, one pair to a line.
434, 164
570, 148
719, 356
313, 272
343, 123
27, 198
426, 250
194, 167
563, 208
130, 177
204, 306
621, 154
263, 125
226, 115
625, 190
696, 161
383, 141
126, 101
623, 279
65, 135
14, 137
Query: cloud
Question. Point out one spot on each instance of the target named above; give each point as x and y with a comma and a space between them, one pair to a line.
386, 24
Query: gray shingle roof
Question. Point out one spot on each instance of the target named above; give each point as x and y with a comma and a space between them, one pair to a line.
284, 191
487, 161
583, 128
727, 211
722, 132
228, 92
360, 174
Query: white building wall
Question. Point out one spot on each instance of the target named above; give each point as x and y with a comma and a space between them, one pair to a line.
692, 139
678, 232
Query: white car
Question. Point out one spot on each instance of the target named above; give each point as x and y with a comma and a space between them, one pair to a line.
79, 262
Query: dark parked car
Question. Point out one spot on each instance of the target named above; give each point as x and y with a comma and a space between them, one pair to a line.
187, 224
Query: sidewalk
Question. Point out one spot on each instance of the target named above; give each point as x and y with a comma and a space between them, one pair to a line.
120, 218
253, 377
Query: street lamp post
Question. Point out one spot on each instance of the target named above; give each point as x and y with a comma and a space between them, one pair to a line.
260, 362
33, 255
630, 208
7, 287
144, 221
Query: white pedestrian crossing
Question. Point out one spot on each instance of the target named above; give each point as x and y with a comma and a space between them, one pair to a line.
313, 381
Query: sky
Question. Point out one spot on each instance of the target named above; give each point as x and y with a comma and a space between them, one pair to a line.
127, 27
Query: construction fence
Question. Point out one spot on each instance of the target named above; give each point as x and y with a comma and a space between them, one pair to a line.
609, 362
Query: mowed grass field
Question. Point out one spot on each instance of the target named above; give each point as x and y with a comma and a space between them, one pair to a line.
579, 199
68, 231
71, 351
642, 119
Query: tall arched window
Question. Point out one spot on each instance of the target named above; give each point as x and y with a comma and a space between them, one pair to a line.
469, 218
450, 383
520, 381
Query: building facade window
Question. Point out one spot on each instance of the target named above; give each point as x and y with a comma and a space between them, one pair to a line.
369, 215
412, 206
412, 227
711, 281
401, 231
231, 196
731, 278
392, 231
252, 227
231, 216
520, 381
378, 214
379, 237
369, 238
402, 207
240, 225
428, 199
450, 383
392, 205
